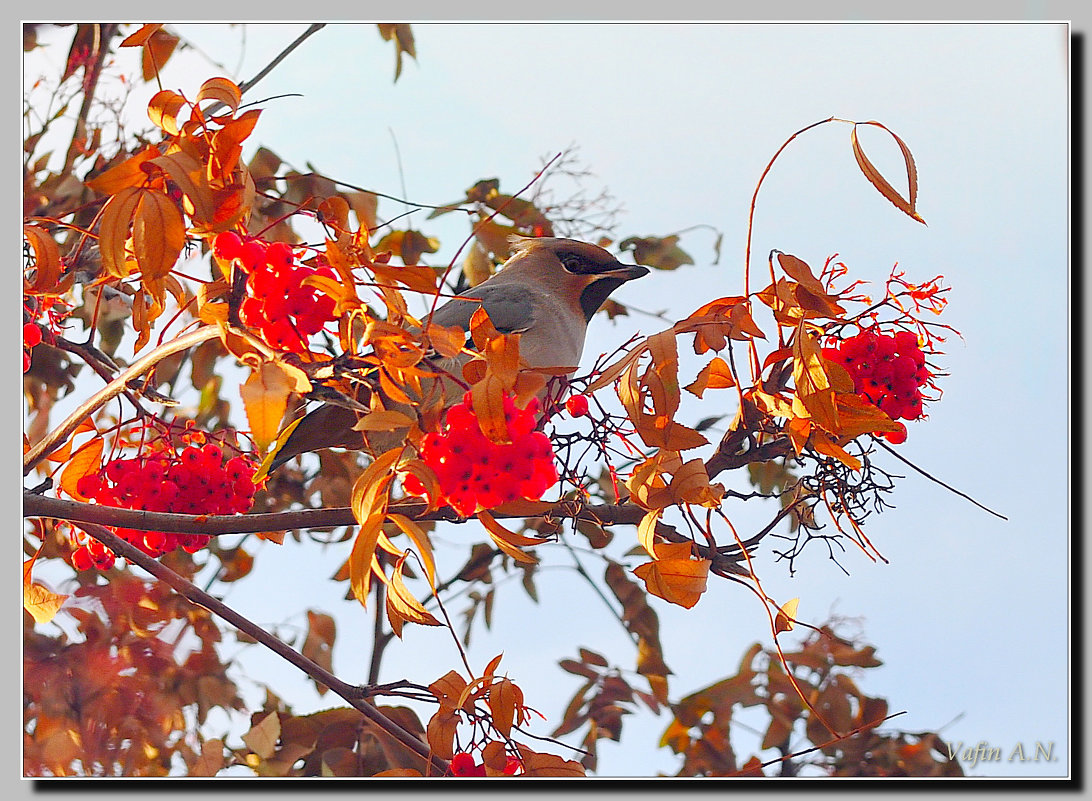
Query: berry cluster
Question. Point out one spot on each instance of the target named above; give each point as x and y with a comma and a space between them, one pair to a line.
462, 764
32, 335
199, 480
888, 371
277, 303
474, 472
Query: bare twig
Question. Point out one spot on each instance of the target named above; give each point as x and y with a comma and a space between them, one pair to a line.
933, 478
57, 437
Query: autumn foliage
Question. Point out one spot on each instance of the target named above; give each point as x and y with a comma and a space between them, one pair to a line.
195, 271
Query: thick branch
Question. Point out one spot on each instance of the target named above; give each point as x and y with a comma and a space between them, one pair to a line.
35, 505
351, 693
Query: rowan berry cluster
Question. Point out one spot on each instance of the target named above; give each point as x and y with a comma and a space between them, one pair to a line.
277, 304
197, 480
888, 371
474, 472
462, 764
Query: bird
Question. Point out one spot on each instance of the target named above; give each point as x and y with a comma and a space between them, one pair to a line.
547, 291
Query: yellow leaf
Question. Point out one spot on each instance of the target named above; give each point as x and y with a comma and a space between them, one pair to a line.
84, 461
786, 616
420, 538
402, 607
384, 420
646, 531
265, 400
40, 602
47, 258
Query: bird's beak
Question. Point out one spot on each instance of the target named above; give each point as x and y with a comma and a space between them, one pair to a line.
629, 271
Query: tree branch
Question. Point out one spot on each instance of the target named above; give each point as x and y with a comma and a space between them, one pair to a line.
356, 696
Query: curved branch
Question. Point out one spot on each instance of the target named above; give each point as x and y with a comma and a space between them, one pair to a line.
628, 514
354, 695
57, 437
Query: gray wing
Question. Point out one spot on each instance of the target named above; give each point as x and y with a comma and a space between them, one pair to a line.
509, 308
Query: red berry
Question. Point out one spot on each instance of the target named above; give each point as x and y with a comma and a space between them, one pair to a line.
906, 342
88, 486
81, 559
252, 254
279, 256
32, 335
896, 437
577, 405
462, 765
227, 245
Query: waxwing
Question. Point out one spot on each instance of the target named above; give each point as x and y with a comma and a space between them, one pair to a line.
547, 291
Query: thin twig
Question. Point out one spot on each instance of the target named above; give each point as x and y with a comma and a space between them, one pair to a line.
948, 487
59, 435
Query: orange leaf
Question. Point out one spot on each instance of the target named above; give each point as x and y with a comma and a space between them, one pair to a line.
369, 501
715, 375
505, 702
128, 173
440, 732
536, 764
812, 385
189, 174
114, 223
163, 111
141, 36
222, 90
156, 51
448, 341
905, 205
47, 258
159, 234
448, 689
675, 576
508, 541
826, 446
84, 461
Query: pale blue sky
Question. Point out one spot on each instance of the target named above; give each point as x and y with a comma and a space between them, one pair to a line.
678, 122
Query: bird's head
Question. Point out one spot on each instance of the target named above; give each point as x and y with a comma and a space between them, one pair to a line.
583, 273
